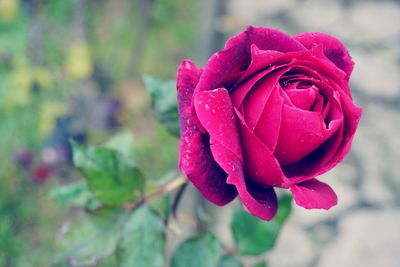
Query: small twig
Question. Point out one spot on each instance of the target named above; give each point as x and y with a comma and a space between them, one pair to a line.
166, 188
177, 199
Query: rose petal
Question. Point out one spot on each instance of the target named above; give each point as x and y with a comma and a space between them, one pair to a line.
262, 60
225, 64
332, 47
187, 77
235, 57
240, 92
352, 115
215, 112
261, 201
303, 98
260, 164
317, 68
301, 132
333, 150
313, 194
317, 162
255, 101
195, 158
269, 124
319, 104
216, 115
272, 39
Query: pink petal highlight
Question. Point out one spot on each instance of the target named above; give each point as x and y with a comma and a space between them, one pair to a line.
215, 112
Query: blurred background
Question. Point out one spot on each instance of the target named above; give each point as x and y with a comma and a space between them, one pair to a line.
72, 69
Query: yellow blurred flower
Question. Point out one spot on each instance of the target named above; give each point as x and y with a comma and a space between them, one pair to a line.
79, 61
43, 77
8, 10
19, 89
49, 112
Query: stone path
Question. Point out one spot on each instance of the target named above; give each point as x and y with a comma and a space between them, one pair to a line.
364, 229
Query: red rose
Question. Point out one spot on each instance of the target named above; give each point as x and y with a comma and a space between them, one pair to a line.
269, 110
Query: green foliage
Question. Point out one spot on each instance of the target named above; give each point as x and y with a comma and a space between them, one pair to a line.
254, 236
124, 143
112, 178
164, 102
202, 250
136, 238
162, 205
260, 264
75, 194
143, 240
88, 239
43, 45
229, 261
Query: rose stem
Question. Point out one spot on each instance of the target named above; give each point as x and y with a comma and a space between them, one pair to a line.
168, 187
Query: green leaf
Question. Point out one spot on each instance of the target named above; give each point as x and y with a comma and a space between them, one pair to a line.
111, 177
162, 205
254, 236
285, 207
88, 239
260, 264
75, 194
124, 143
143, 240
229, 261
202, 250
164, 102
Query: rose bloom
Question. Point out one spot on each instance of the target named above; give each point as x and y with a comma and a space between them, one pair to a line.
269, 110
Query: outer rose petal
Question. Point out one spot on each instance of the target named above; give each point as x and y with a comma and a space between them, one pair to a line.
195, 158
272, 39
215, 112
333, 49
352, 116
313, 194
235, 57
261, 201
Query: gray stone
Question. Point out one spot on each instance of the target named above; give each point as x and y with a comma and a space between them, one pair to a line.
375, 21
377, 72
293, 248
253, 9
309, 15
377, 146
366, 239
